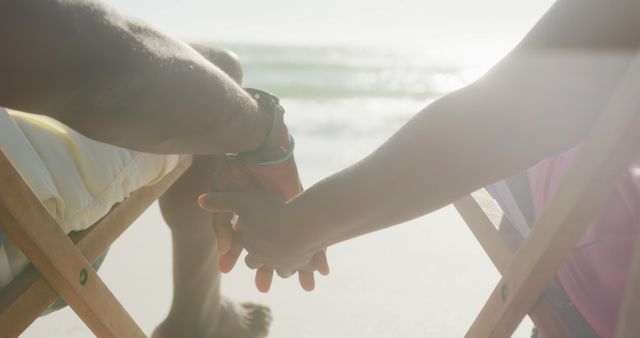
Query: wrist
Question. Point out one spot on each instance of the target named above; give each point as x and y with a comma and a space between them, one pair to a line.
308, 228
276, 144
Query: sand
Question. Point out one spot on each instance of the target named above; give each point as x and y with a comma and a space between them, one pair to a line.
431, 282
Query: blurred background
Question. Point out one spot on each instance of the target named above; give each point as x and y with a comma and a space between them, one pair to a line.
349, 73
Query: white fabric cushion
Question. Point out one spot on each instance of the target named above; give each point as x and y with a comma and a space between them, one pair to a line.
77, 179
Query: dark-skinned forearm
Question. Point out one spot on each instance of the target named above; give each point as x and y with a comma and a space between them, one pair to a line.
120, 81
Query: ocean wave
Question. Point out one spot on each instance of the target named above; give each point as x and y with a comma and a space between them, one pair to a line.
346, 118
341, 72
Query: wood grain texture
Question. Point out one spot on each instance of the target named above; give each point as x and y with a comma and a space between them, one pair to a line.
544, 315
60, 262
612, 145
22, 301
485, 231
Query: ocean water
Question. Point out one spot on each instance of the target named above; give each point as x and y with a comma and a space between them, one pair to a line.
425, 278
350, 99
346, 72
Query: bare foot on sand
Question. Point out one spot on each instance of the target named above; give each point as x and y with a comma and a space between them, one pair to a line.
245, 320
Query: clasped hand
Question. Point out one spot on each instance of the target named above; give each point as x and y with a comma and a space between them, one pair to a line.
256, 195
272, 240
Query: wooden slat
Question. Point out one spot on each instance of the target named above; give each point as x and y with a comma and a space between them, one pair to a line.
628, 322
485, 232
611, 146
543, 314
38, 236
24, 299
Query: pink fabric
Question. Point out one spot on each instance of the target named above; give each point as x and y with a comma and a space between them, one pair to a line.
596, 273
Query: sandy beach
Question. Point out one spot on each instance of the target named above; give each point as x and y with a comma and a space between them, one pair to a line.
426, 278
431, 283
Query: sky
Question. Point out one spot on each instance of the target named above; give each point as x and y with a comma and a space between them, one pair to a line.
449, 24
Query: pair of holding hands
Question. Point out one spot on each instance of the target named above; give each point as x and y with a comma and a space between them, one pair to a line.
250, 213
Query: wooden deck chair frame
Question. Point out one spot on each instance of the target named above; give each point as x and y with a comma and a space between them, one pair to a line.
612, 145
485, 219
61, 265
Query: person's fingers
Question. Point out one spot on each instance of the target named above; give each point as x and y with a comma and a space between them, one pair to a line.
224, 233
285, 273
252, 261
222, 201
307, 280
264, 275
320, 262
229, 259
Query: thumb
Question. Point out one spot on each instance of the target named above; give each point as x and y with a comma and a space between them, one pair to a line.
222, 201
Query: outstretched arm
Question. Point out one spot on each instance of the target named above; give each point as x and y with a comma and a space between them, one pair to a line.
120, 81
540, 100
